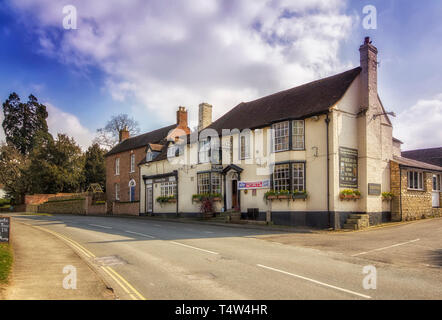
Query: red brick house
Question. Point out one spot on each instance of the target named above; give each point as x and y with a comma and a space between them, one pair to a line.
122, 171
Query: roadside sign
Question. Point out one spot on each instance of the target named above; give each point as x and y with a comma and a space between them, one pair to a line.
5, 226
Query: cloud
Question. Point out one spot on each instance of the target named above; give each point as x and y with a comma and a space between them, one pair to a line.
181, 52
420, 125
63, 122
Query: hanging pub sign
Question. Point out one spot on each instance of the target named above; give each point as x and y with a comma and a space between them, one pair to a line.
348, 168
5, 226
242, 185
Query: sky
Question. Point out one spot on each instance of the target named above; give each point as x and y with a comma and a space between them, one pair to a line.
146, 58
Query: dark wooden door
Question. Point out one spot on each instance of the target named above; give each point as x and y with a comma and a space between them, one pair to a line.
234, 194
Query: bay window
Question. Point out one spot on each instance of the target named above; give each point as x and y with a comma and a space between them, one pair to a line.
209, 182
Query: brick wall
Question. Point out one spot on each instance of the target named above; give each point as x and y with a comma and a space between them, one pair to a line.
126, 208
125, 175
64, 207
414, 204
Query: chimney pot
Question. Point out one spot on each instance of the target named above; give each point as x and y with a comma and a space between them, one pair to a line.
124, 134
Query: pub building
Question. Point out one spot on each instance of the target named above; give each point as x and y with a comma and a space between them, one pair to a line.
320, 155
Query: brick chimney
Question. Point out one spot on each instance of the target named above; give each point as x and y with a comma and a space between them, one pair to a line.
204, 116
124, 134
181, 118
369, 74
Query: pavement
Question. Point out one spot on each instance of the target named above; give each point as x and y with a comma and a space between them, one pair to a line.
39, 261
152, 259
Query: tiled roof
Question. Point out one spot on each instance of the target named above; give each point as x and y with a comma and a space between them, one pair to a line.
300, 102
431, 156
142, 140
416, 164
156, 147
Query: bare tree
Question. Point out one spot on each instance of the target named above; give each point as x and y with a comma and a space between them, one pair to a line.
108, 136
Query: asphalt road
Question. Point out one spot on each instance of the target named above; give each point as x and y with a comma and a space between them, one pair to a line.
151, 259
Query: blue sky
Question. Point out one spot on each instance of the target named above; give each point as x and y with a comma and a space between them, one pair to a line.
147, 58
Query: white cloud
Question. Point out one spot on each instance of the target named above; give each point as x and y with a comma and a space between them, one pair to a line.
420, 125
63, 122
181, 52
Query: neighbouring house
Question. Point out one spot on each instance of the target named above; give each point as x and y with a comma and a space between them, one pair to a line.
316, 155
122, 171
432, 156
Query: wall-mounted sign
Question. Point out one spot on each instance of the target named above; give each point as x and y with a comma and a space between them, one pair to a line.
374, 189
348, 168
165, 179
242, 185
5, 226
217, 167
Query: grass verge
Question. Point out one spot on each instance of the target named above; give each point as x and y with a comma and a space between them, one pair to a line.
5, 262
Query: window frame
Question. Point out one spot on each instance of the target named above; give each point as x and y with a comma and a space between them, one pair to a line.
411, 183
296, 134
274, 136
117, 166
117, 191
438, 182
168, 189
132, 163
210, 185
293, 165
291, 178
246, 144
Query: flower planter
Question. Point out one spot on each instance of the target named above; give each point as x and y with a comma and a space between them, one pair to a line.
282, 197
387, 198
271, 197
299, 196
172, 200
216, 199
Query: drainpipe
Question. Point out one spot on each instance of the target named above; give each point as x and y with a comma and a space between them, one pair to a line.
327, 122
177, 188
400, 191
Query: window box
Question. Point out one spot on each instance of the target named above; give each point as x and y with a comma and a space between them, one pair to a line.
173, 200
348, 195
166, 199
299, 195
283, 196
387, 196
200, 197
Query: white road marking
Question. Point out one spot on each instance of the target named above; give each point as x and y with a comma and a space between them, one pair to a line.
384, 248
315, 281
141, 234
99, 226
209, 232
185, 245
157, 225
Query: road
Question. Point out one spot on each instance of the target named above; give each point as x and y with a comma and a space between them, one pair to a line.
151, 259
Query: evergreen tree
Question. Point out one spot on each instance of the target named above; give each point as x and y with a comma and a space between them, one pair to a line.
94, 167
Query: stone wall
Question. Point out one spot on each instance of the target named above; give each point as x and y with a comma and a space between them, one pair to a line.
408, 205
95, 208
126, 208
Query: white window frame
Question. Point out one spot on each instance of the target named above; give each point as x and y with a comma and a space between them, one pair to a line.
117, 192
281, 131
117, 166
281, 177
438, 182
415, 180
298, 131
298, 175
168, 189
203, 188
244, 145
132, 162
204, 151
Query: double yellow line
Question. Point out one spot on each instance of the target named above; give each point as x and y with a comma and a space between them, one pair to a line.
119, 279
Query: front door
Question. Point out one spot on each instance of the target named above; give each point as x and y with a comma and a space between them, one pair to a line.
149, 199
436, 190
234, 194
